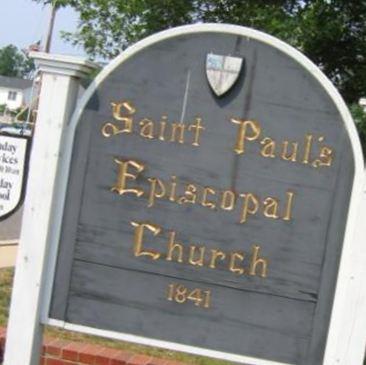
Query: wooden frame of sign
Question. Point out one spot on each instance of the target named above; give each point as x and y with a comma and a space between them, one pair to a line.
344, 337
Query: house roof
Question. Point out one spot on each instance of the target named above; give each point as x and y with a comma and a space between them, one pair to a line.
15, 83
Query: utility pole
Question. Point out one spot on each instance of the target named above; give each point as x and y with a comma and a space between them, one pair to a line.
50, 27
47, 47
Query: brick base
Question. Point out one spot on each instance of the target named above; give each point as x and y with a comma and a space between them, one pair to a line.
61, 352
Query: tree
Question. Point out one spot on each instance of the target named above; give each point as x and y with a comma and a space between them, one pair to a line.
359, 117
332, 33
15, 63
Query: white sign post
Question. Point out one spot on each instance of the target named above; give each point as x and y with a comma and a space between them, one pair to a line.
60, 86
347, 333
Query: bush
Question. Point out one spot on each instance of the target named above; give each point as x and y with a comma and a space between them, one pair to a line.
359, 117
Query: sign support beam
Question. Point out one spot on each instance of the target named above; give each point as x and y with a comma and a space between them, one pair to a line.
60, 85
347, 343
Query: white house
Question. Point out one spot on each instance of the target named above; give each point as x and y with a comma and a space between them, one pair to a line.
14, 92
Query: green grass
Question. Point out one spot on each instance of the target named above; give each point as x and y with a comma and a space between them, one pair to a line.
6, 279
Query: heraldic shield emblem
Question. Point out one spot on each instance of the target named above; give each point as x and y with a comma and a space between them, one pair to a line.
222, 72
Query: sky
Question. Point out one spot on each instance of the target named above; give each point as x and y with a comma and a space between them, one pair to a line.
23, 22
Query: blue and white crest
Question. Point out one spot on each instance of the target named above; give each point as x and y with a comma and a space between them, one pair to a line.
222, 72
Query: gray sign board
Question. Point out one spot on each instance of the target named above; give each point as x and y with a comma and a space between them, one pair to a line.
211, 217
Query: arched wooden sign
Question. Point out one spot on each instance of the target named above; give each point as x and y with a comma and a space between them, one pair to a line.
212, 187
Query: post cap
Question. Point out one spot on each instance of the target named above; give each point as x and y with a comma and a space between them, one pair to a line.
63, 64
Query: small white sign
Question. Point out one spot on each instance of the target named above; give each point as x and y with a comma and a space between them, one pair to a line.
12, 162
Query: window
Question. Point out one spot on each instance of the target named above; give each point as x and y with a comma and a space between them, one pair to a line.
12, 95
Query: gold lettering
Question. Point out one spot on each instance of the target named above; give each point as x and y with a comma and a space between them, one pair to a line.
163, 121
232, 266
216, 255
174, 246
123, 175
139, 234
206, 203
292, 156
271, 208
308, 144
288, 210
250, 206
255, 261
192, 253
116, 108
244, 133
269, 146
147, 128
325, 157
189, 195
177, 127
197, 130
110, 129
154, 192
173, 188
228, 200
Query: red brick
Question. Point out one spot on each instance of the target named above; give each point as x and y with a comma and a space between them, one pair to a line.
54, 348
139, 360
2, 336
105, 357
72, 350
46, 342
157, 361
55, 362
121, 358
88, 354
85, 354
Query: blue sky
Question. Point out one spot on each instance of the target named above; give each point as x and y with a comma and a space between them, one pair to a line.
23, 22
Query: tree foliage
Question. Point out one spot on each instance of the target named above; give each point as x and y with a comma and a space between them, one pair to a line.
15, 63
332, 33
359, 117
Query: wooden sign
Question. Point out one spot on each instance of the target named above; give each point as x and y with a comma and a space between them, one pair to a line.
13, 164
211, 190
